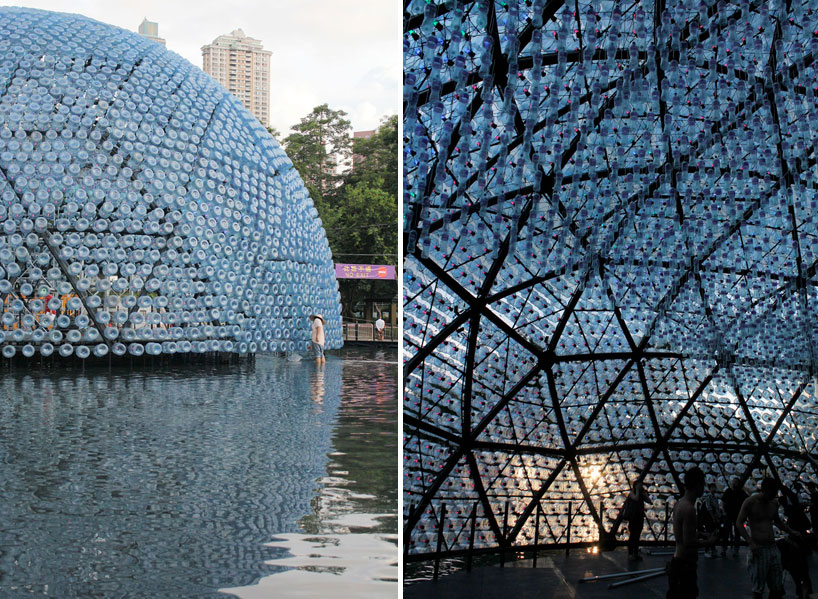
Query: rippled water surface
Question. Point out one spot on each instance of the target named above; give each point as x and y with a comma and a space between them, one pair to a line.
276, 479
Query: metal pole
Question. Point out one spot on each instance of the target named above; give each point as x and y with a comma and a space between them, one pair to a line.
536, 533
568, 533
637, 579
406, 542
621, 574
667, 522
471, 537
505, 534
440, 538
601, 519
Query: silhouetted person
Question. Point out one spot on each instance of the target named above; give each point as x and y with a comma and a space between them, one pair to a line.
760, 511
681, 571
794, 552
711, 517
634, 513
793, 509
813, 506
732, 500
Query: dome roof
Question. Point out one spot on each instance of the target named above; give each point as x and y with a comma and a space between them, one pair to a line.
611, 259
143, 208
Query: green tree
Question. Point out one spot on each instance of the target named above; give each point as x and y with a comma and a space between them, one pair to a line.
364, 229
377, 157
320, 147
365, 223
358, 206
274, 132
362, 224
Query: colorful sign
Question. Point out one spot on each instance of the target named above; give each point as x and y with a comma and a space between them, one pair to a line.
365, 271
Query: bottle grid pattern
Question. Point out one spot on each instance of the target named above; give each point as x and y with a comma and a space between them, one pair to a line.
143, 209
611, 259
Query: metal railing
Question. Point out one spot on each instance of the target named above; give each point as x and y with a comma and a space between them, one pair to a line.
365, 331
606, 540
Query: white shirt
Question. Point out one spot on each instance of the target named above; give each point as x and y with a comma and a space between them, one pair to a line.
379, 324
317, 331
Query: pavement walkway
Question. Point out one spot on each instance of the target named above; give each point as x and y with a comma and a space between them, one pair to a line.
556, 577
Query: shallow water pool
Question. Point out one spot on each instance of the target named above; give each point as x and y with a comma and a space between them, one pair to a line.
269, 479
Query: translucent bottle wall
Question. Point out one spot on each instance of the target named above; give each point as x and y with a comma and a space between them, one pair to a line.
611, 259
144, 210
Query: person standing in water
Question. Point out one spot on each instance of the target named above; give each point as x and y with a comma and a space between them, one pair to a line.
317, 337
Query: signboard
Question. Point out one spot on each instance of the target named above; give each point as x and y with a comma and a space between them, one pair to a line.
365, 271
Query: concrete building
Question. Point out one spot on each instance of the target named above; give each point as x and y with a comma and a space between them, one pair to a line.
150, 30
357, 159
363, 134
242, 66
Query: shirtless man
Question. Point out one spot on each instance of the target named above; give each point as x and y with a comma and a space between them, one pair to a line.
681, 571
760, 511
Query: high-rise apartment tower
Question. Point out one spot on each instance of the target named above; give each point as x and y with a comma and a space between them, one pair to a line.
242, 66
150, 30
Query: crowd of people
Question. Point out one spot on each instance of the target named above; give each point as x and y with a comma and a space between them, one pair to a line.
707, 518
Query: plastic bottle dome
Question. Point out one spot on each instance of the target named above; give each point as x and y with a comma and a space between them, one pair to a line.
611, 260
142, 206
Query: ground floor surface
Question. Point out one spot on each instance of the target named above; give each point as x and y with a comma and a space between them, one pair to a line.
556, 577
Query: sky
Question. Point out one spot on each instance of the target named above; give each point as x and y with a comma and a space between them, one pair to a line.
343, 53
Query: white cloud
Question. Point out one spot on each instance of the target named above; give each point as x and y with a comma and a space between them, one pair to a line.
366, 114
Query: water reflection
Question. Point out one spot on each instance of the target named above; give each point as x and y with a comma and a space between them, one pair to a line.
169, 483
337, 566
348, 547
317, 384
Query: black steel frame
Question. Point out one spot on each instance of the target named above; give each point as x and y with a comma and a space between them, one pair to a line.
467, 441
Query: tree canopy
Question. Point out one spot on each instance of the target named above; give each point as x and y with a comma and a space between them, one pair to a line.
320, 147
377, 156
357, 203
